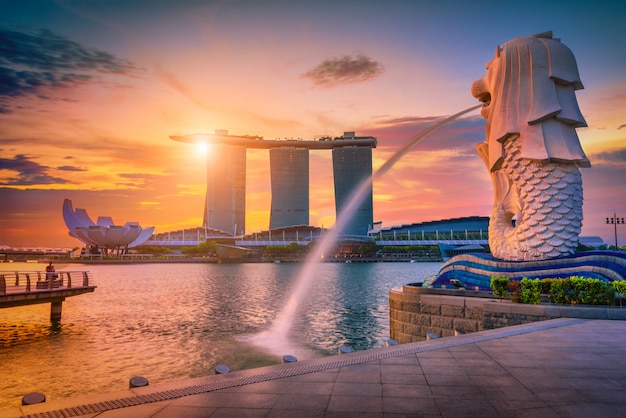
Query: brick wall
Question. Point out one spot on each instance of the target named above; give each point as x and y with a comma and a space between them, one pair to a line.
415, 312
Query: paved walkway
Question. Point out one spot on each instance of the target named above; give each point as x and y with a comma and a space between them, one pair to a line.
557, 368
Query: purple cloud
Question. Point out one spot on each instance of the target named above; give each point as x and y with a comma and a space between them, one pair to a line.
28, 172
31, 61
344, 70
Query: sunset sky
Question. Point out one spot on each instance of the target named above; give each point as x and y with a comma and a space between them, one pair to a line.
90, 92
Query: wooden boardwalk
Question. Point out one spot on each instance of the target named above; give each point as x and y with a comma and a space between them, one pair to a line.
19, 288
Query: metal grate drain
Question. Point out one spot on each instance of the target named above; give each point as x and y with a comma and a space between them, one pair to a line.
341, 361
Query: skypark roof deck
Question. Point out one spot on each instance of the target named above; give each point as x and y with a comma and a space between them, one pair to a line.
347, 140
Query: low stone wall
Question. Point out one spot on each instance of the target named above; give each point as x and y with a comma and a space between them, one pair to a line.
415, 312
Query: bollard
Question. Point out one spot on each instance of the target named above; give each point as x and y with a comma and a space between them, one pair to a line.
137, 382
221, 369
289, 359
344, 350
390, 343
33, 398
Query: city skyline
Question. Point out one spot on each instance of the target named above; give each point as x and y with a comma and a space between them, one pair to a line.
91, 93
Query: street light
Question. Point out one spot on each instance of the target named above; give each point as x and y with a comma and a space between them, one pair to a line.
614, 221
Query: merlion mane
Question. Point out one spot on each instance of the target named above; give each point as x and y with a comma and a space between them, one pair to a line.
532, 150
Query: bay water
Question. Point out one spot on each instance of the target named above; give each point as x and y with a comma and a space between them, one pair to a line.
169, 322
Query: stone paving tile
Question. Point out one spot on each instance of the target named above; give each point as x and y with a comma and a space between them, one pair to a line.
448, 379
371, 367
238, 413
329, 376
302, 402
591, 410
359, 389
451, 407
442, 369
415, 406
407, 379
608, 396
429, 362
478, 363
229, 399
147, 410
282, 386
180, 411
493, 371
355, 403
512, 406
504, 381
557, 396
538, 380
459, 392
400, 369
406, 391
358, 377
597, 383
529, 411
543, 373
410, 359
299, 413
349, 414
521, 394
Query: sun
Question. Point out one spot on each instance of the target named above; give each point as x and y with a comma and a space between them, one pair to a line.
203, 147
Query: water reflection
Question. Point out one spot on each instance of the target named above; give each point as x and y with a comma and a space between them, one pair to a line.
172, 321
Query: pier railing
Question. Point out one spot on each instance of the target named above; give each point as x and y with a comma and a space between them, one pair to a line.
31, 281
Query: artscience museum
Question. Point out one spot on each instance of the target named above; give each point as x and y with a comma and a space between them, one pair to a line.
103, 235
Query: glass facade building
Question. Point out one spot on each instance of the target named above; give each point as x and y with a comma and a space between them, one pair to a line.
352, 165
289, 172
225, 206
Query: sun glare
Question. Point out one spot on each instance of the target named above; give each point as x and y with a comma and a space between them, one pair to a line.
202, 147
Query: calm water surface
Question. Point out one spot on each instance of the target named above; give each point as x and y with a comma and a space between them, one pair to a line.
173, 321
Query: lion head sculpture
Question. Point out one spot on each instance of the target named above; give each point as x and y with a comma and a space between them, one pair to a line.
529, 90
532, 151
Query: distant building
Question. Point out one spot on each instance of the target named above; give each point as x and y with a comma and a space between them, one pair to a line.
352, 165
469, 228
225, 206
104, 235
289, 171
289, 166
592, 241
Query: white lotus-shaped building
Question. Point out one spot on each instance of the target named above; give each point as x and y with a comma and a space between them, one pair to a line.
103, 234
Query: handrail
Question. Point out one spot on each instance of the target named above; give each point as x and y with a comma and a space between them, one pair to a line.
24, 283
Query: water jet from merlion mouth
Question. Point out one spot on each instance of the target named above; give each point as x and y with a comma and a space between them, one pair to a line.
276, 339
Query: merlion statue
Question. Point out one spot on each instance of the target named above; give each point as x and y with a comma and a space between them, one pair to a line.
532, 151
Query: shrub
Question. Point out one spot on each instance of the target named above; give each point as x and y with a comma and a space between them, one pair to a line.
619, 287
514, 290
592, 291
561, 291
530, 291
544, 286
499, 286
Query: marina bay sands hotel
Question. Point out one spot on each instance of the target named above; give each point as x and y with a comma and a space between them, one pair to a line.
225, 204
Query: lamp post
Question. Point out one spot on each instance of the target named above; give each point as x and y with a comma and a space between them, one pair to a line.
614, 221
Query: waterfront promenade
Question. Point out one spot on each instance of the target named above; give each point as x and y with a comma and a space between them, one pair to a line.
556, 368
